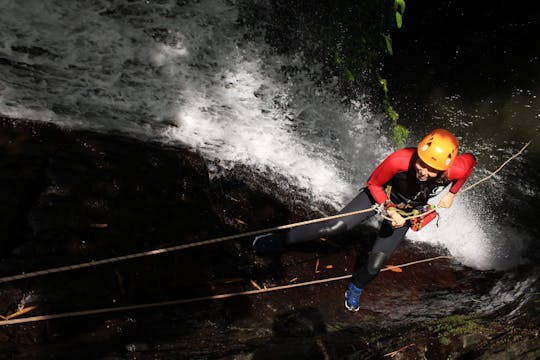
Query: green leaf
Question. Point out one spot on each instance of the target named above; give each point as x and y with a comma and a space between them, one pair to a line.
399, 20
399, 135
388, 41
392, 114
399, 4
384, 86
350, 75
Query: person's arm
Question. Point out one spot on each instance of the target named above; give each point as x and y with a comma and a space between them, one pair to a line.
397, 219
396, 162
458, 173
447, 200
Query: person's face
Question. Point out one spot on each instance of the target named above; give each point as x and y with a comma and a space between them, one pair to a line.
424, 172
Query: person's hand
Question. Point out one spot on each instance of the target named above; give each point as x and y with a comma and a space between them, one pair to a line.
446, 200
397, 220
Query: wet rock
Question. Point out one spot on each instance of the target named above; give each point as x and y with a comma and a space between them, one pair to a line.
138, 346
304, 323
471, 340
74, 197
524, 349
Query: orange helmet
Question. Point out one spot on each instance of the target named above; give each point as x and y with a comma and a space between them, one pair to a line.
438, 149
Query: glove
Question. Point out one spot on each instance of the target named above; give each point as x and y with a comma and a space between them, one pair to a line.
419, 222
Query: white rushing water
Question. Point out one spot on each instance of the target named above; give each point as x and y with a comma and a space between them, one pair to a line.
188, 74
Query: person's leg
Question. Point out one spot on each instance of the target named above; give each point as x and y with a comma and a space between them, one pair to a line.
385, 245
336, 226
277, 242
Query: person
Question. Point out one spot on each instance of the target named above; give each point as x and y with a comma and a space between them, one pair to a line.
401, 185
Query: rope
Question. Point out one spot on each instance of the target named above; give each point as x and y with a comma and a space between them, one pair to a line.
175, 248
498, 169
377, 208
197, 299
470, 186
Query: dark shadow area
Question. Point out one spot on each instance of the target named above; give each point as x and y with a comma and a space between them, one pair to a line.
296, 335
475, 67
89, 197
124, 196
468, 47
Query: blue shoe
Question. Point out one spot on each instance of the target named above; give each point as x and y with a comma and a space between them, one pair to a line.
270, 243
352, 297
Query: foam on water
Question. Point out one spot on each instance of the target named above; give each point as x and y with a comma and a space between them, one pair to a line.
474, 237
186, 74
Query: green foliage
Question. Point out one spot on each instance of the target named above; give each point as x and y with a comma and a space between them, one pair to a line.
341, 62
399, 8
399, 20
354, 37
392, 114
399, 132
399, 5
358, 32
453, 325
399, 135
349, 74
388, 42
384, 85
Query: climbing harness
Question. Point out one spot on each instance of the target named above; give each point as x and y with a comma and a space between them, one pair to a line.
377, 208
417, 223
381, 209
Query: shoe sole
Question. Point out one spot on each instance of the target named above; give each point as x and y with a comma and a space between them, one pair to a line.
350, 308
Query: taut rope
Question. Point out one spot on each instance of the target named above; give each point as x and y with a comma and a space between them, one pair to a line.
202, 298
232, 237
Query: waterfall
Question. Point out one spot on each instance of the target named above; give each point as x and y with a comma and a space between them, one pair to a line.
187, 73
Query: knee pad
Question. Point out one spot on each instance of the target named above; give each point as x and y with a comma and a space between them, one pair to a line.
376, 261
335, 229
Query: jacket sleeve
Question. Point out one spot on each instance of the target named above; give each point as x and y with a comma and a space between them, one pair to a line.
393, 164
460, 171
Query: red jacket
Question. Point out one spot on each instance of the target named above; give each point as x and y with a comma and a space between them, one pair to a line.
398, 171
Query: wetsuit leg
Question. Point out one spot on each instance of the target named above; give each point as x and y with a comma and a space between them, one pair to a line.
336, 226
387, 242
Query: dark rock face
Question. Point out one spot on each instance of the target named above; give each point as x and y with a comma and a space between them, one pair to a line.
73, 197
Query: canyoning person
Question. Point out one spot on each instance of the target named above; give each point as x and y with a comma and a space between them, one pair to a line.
401, 186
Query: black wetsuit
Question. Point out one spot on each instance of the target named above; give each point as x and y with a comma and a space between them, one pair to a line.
398, 172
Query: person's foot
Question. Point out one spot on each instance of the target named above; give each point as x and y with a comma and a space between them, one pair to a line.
352, 297
271, 243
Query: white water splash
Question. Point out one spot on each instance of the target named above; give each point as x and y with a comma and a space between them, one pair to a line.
473, 237
186, 74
